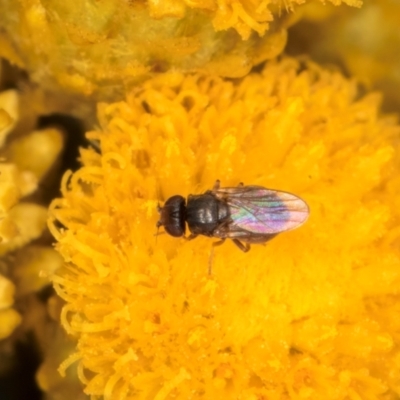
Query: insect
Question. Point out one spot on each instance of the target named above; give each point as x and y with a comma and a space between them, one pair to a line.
244, 214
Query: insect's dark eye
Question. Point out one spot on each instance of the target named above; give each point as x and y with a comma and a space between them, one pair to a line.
173, 216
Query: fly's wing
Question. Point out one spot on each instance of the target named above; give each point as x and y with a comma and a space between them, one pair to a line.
263, 211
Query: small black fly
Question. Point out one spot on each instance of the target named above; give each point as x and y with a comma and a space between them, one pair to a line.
245, 214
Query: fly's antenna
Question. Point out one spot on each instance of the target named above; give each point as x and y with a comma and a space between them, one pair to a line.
159, 223
158, 228
159, 208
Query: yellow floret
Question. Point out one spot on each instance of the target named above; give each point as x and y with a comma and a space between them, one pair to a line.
8, 113
311, 315
9, 318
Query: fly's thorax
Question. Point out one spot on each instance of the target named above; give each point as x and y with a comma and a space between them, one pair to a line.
172, 216
204, 213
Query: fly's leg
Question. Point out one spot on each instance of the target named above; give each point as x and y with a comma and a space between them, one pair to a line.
215, 244
216, 186
245, 247
191, 236
157, 234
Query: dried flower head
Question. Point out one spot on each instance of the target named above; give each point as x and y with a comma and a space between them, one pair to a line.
100, 49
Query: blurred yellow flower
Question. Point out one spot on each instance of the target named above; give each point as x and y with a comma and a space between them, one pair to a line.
26, 160
26, 157
9, 318
365, 42
312, 315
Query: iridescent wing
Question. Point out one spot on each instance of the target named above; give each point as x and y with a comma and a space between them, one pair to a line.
263, 211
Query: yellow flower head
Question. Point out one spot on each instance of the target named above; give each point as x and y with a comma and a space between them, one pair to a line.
313, 314
99, 49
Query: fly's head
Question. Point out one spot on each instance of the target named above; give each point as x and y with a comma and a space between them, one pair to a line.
173, 216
